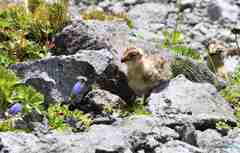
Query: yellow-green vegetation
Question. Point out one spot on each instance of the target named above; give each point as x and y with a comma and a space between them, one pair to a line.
7, 125
57, 115
11, 91
222, 125
106, 16
137, 108
26, 33
173, 40
232, 94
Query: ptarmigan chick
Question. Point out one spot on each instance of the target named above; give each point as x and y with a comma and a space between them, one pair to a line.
145, 72
221, 59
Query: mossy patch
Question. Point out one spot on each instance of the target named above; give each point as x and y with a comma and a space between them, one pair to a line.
107, 16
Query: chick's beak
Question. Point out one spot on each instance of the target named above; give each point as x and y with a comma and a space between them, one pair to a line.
123, 60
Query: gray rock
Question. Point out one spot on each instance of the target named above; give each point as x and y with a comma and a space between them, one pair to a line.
141, 141
214, 11
231, 64
149, 16
164, 134
187, 133
139, 134
185, 4
130, 1
103, 101
55, 76
205, 138
90, 35
117, 8
223, 9
198, 103
228, 144
177, 147
99, 138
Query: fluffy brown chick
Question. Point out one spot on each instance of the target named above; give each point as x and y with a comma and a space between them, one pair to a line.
215, 58
145, 72
217, 52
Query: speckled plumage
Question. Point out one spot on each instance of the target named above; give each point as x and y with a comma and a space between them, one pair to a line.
145, 72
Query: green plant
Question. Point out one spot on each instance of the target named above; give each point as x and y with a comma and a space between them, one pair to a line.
137, 108
20, 48
7, 125
173, 40
7, 81
58, 113
11, 91
33, 4
29, 98
5, 60
29, 30
222, 125
48, 19
236, 77
55, 114
58, 15
232, 93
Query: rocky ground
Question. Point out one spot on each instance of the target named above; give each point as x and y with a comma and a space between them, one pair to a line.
183, 114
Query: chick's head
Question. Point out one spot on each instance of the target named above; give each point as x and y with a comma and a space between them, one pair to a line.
132, 54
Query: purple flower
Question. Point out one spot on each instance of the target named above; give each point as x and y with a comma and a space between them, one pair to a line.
14, 109
78, 88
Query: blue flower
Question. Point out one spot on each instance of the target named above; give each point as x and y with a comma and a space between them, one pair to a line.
14, 109
78, 88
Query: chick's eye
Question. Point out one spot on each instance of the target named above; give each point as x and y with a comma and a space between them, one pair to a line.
133, 55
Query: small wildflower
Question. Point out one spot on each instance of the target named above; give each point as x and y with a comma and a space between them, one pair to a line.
14, 109
77, 88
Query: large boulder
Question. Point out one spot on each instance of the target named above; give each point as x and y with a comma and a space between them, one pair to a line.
197, 103
92, 35
55, 76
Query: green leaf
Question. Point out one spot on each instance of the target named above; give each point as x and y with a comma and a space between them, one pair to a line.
4, 24
176, 37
